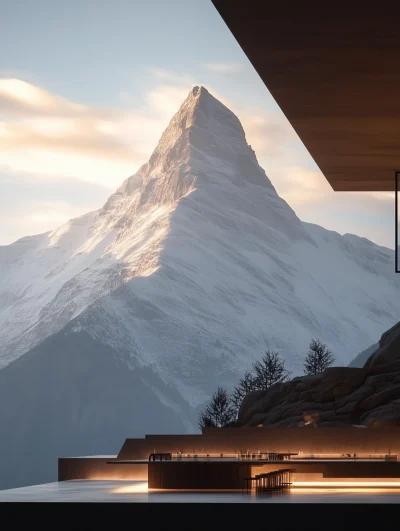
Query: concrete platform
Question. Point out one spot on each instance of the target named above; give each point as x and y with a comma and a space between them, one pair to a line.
77, 491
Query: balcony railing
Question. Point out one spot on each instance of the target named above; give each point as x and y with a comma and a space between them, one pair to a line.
269, 456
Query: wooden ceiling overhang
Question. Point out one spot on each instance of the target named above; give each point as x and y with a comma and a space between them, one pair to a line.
334, 70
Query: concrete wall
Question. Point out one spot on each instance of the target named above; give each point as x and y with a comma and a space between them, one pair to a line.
233, 440
198, 476
360, 441
97, 468
231, 475
337, 471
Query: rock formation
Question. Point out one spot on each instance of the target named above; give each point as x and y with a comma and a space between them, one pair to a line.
340, 396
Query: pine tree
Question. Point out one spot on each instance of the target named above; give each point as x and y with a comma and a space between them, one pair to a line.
219, 411
318, 358
245, 386
269, 371
205, 421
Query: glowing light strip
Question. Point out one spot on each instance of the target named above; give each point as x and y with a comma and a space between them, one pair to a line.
346, 484
131, 489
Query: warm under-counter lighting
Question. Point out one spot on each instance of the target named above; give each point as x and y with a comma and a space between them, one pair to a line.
132, 489
343, 484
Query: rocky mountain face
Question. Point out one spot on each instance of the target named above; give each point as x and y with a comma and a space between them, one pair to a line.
340, 396
125, 320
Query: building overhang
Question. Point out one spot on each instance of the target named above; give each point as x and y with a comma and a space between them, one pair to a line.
334, 70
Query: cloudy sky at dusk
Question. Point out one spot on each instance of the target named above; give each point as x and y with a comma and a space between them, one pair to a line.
87, 87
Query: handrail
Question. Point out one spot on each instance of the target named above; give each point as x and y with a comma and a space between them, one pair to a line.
279, 456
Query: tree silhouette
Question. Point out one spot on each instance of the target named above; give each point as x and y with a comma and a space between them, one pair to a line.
219, 411
205, 421
318, 358
245, 385
269, 371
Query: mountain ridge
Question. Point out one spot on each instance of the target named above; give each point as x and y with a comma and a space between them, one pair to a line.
188, 273
147, 198
198, 156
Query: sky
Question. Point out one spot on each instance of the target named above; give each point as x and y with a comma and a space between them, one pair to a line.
88, 86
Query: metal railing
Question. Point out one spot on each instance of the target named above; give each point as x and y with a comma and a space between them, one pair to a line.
270, 456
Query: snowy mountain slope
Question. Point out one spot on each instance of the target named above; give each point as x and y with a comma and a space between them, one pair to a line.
221, 253
361, 359
73, 396
51, 278
204, 320
128, 318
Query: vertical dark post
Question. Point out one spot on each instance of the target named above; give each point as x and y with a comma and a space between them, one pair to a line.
396, 221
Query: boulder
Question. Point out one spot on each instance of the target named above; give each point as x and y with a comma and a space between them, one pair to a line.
351, 376
290, 422
257, 419
249, 401
387, 415
348, 408
389, 348
340, 396
380, 398
382, 368
356, 396
379, 380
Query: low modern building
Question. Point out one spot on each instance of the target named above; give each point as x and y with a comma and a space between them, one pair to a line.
238, 459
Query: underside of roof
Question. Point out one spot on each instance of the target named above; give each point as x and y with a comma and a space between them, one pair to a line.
334, 70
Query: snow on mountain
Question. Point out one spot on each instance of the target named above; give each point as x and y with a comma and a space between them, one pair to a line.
361, 359
125, 320
195, 266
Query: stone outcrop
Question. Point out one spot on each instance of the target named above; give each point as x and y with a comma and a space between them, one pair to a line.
340, 396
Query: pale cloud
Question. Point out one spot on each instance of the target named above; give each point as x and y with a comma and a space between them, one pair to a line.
299, 185
382, 196
367, 214
224, 68
166, 99
302, 185
56, 212
48, 139
22, 92
52, 126
96, 169
47, 134
52, 138
35, 217
171, 76
18, 97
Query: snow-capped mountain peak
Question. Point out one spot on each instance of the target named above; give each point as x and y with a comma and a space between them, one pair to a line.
125, 320
202, 137
200, 235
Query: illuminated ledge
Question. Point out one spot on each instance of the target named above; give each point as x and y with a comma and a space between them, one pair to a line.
214, 461
92, 457
132, 489
344, 484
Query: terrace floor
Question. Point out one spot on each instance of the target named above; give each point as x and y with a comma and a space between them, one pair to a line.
136, 492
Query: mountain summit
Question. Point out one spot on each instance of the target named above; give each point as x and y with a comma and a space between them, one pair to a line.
202, 169
201, 133
125, 320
